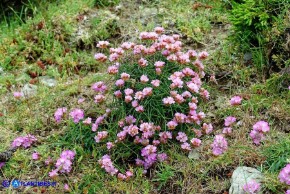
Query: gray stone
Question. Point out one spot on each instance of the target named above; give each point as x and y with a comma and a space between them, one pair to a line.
241, 176
194, 154
248, 57
47, 81
29, 90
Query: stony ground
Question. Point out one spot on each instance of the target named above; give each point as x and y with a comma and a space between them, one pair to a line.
50, 58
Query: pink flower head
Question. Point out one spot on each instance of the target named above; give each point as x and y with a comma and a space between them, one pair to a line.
101, 135
149, 149
66, 187
147, 91
144, 79
180, 117
236, 100
229, 121
182, 137
193, 87
172, 125
261, 126
59, 114
158, 71
110, 145
53, 173
128, 99
133, 130
284, 175
220, 145
103, 44
148, 36
134, 103
113, 69
252, 187
127, 45
81, 100
100, 57
119, 51
87, 121
186, 146
139, 95
125, 76
207, 128
256, 136
139, 109
204, 94
227, 130
159, 64
195, 142
164, 136
17, 95
183, 59
114, 57
192, 54
202, 55
77, 115
64, 164
162, 157
155, 83
142, 62
120, 83
68, 154
99, 98
107, 164
288, 191
186, 94
48, 161
121, 176
128, 92
118, 94
2, 164
99, 87
159, 30
168, 101
188, 72
35, 156
179, 99
25, 141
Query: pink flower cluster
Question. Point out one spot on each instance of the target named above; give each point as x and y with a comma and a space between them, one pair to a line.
236, 100
2, 164
25, 141
259, 129
184, 91
219, 146
229, 121
64, 163
77, 115
58, 115
18, 95
252, 187
284, 175
107, 164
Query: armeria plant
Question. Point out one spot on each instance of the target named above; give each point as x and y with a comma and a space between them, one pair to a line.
154, 101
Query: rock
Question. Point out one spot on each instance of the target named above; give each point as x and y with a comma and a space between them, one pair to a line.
247, 57
194, 154
47, 81
29, 90
241, 176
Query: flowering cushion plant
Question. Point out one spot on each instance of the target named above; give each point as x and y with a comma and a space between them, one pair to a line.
156, 93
